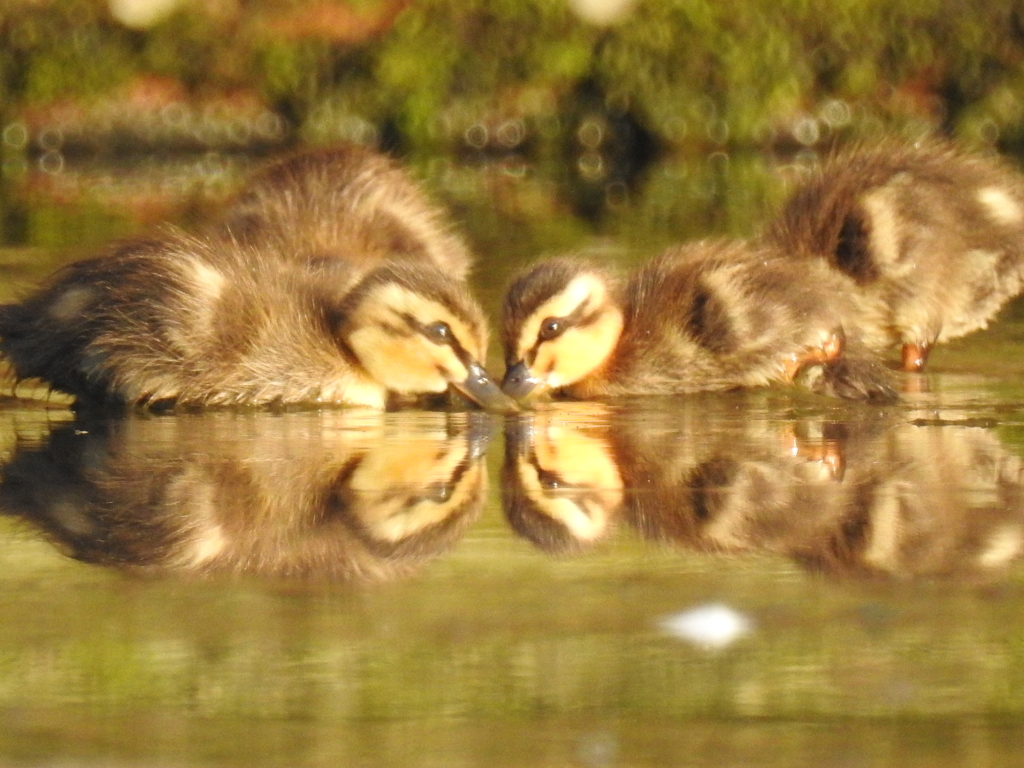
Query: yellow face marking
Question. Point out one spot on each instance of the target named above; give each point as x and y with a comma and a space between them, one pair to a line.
1000, 205
579, 350
399, 357
584, 288
406, 364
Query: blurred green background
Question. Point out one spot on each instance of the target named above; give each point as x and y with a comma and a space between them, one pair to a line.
544, 125
506, 75
565, 121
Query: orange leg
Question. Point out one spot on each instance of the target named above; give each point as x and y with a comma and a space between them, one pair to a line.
830, 350
915, 356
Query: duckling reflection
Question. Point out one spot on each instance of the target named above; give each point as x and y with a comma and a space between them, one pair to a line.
361, 496
560, 486
931, 234
331, 280
865, 496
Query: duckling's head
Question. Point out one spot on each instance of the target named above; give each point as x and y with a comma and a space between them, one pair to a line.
415, 330
561, 321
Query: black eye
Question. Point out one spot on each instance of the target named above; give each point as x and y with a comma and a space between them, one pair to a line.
551, 328
550, 481
439, 332
438, 493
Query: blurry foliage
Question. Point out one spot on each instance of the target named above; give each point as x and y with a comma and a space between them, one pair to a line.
688, 71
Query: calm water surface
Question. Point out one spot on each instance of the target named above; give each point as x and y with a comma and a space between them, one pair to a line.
761, 578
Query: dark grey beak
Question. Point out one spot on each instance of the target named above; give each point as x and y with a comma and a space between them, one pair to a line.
519, 381
479, 388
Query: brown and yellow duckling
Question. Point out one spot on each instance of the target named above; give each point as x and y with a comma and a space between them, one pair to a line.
273, 306
709, 315
931, 233
351, 204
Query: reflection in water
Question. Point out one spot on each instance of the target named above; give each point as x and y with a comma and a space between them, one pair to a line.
372, 496
872, 494
338, 495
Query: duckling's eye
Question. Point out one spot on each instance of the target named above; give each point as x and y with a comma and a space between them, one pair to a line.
550, 481
439, 332
551, 328
438, 493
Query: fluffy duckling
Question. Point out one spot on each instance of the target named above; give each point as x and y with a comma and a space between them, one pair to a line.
710, 315
349, 203
273, 306
932, 233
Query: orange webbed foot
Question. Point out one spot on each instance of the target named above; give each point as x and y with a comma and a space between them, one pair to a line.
832, 346
915, 356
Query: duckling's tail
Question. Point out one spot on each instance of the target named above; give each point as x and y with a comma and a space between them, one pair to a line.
854, 377
21, 349
11, 322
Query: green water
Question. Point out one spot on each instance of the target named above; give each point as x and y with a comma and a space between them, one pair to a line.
431, 589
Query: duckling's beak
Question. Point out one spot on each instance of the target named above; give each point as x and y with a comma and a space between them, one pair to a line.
481, 389
519, 381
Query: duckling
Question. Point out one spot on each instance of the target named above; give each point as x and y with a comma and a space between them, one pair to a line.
933, 234
709, 315
349, 203
272, 306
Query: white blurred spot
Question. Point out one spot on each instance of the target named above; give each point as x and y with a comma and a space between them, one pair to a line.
69, 305
836, 113
209, 282
806, 131
141, 14
1003, 546
207, 546
710, 626
602, 12
1001, 206
598, 750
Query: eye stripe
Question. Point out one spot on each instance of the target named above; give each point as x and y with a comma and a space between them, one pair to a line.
576, 319
452, 339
